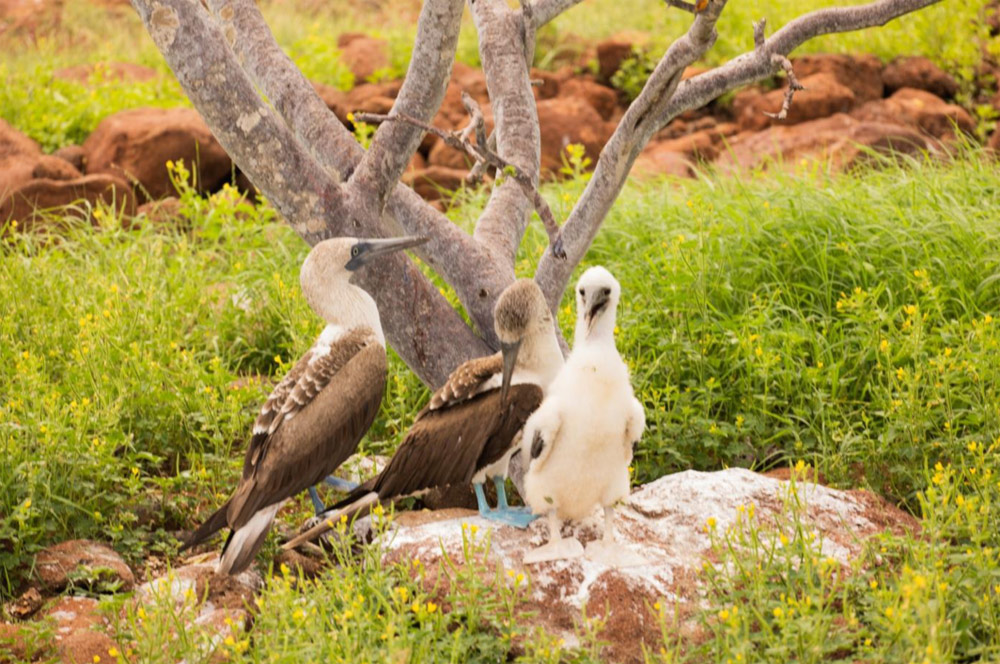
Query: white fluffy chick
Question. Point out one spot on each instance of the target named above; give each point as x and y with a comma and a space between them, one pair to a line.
579, 441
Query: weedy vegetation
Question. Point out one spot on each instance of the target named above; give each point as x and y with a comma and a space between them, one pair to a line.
786, 317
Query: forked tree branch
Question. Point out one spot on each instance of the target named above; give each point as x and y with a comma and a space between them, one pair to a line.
483, 156
518, 141
663, 102
305, 193
420, 97
793, 86
544, 11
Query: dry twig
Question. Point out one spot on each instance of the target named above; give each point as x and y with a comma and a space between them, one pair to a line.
484, 158
793, 86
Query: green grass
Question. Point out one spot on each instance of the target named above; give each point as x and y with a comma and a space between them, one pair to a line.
846, 322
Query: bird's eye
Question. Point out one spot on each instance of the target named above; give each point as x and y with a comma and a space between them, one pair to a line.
583, 293
605, 291
354, 250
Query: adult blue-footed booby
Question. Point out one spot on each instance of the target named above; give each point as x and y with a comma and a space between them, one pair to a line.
320, 410
471, 426
579, 441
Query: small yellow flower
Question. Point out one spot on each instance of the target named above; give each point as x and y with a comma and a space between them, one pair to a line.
230, 641
431, 607
97, 658
868, 643
901, 373
350, 117
889, 612
884, 345
873, 584
778, 612
710, 523
113, 651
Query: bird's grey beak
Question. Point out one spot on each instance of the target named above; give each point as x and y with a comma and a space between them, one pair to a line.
596, 307
509, 359
365, 250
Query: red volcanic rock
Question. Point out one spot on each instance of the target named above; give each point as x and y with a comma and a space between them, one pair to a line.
137, 144
823, 96
603, 99
664, 523
75, 155
610, 55
919, 73
861, 73
433, 181
54, 168
18, 157
363, 55
567, 120
84, 558
545, 84
37, 195
840, 140
920, 109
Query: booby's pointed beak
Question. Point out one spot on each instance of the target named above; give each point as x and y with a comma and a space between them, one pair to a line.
509, 352
596, 307
365, 250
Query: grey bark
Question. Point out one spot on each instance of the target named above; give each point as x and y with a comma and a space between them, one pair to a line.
318, 177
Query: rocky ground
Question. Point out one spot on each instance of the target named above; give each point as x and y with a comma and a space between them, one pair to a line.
852, 107
675, 523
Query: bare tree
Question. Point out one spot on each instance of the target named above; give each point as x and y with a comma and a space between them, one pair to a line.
325, 184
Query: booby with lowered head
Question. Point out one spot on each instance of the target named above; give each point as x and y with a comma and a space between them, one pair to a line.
579, 441
315, 417
471, 426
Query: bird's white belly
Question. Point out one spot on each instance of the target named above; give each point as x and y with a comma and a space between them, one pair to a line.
586, 468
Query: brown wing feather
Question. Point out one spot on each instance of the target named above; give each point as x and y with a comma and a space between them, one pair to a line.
465, 381
268, 419
447, 446
322, 422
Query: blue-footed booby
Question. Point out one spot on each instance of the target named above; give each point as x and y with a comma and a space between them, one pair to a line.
470, 428
579, 441
315, 417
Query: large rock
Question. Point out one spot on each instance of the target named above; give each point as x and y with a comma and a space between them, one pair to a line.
823, 96
920, 109
83, 562
31, 17
861, 73
840, 140
363, 55
137, 144
27, 202
80, 631
665, 522
434, 181
603, 99
920, 73
567, 120
675, 156
18, 157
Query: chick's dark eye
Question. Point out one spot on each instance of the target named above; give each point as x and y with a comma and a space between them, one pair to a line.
583, 293
605, 291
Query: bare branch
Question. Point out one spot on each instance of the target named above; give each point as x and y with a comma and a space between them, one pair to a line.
662, 99
758, 33
793, 86
482, 155
258, 141
421, 95
546, 10
683, 6
305, 193
451, 252
518, 141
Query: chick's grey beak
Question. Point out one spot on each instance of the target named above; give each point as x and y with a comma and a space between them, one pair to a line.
509, 359
365, 250
596, 307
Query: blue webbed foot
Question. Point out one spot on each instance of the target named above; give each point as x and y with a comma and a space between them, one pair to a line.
317, 503
519, 517
339, 484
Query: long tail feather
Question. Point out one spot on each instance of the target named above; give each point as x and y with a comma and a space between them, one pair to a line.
244, 543
212, 525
